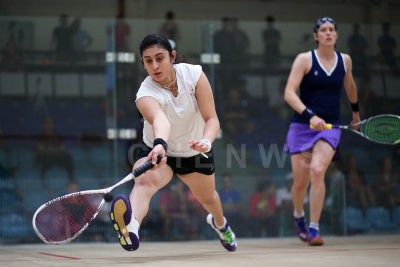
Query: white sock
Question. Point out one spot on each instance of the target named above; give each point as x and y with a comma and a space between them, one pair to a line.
296, 215
314, 226
221, 227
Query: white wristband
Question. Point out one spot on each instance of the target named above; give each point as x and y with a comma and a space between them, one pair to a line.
207, 143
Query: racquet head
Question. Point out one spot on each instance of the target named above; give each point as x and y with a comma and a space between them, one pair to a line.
384, 129
62, 219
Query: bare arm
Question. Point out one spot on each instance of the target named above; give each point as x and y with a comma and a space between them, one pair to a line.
350, 86
152, 112
205, 100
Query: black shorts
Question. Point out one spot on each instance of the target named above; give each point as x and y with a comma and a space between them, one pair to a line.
179, 165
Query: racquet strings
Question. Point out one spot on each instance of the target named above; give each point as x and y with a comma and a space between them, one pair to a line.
384, 129
65, 217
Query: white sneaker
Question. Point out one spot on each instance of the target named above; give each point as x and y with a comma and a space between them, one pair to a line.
226, 235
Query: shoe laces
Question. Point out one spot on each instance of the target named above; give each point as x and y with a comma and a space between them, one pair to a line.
228, 235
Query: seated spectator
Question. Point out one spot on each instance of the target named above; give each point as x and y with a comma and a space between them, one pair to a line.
236, 115
386, 184
51, 150
359, 193
174, 215
263, 211
100, 229
231, 201
284, 196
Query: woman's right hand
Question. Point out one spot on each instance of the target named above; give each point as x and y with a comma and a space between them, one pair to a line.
318, 123
158, 150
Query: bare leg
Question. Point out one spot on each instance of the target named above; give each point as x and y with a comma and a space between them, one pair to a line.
301, 174
321, 158
146, 185
203, 188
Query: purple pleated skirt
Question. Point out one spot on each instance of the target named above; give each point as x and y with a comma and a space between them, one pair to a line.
301, 138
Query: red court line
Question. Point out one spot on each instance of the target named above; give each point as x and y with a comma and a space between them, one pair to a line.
60, 256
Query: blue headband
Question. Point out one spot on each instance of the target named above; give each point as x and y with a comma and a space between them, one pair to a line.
323, 20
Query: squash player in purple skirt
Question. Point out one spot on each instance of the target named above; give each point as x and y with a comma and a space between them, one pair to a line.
320, 74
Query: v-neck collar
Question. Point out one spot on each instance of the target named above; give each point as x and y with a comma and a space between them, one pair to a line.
328, 72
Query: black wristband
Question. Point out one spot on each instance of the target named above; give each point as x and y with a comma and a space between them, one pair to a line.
355, 107
160, 141
307, 113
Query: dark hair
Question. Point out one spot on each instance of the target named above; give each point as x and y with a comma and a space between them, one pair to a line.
323, 20
155, 39
269, 18
170, 15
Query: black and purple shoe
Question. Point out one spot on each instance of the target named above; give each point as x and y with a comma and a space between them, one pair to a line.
301, 228
226, 235
123, 222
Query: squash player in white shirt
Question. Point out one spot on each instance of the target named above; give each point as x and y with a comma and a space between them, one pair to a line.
177, 103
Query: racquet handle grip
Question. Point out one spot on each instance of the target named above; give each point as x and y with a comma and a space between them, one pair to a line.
328, 126
145, 167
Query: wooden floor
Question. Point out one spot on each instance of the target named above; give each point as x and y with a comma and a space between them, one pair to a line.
338, 251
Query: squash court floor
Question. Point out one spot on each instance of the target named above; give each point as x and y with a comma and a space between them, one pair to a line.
337, 251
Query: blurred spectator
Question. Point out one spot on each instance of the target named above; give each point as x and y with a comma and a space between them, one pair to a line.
231, 201
101, 228
334, 196
367, 98
263, 211
11, 60
358, 46
386, 184
305, 43
176, 221
359, 193
236, 115
387, 46
224, 42
277, 102
72, 187
80, 38
51, 150
334, 181
196, 213
242, 43
61, 39
122, 31
170, 29
284, 196
272, 39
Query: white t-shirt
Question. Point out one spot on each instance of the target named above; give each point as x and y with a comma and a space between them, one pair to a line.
182, 111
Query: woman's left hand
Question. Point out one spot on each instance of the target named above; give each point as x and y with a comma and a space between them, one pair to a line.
198, 146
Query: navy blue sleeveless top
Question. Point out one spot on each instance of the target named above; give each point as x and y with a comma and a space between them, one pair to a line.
320, 90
